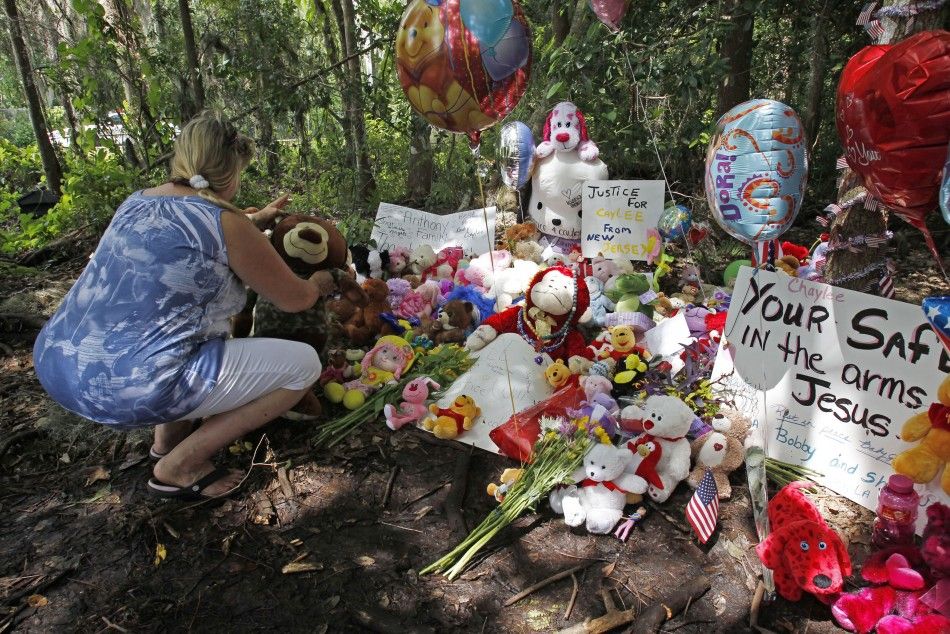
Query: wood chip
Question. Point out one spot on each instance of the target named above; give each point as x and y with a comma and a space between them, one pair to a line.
295, 567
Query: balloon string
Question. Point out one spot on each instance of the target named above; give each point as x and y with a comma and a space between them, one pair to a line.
491, 247
656, 149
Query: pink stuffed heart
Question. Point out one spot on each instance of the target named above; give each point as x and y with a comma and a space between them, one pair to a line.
901, 575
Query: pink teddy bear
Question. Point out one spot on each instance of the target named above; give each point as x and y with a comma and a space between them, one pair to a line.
413, 407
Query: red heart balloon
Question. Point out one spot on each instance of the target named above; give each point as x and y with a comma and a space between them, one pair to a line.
893, 117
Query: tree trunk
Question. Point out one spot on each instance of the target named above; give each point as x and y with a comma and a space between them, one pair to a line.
140, 124
191, 56
817, 65
560, 22
862, 271
300, 122
366, 184
53, 39
736, 49
419, 176
51, 165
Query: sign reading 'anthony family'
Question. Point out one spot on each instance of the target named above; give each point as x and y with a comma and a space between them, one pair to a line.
616, 216
398, 226
833, 375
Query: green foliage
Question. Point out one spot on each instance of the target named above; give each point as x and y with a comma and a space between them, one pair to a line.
93, 186
15, 127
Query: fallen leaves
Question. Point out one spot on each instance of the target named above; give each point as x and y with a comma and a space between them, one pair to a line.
37, 601
160, 553
97, 474
295, 567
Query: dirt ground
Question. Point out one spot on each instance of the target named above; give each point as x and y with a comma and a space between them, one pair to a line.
331, 540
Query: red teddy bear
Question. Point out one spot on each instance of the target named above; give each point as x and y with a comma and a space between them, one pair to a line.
803, 551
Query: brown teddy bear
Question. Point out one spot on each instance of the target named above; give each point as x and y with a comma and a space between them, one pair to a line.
307, 244
377, 303
456, 321
346, 313
722, 450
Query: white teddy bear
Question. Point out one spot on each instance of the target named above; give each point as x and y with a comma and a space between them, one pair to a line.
666, 420
512, 282
599, 496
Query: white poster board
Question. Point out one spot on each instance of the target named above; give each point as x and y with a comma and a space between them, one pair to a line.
507, 358
833, 374
397, 226
616, 217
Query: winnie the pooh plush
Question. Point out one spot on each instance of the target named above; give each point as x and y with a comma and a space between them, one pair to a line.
923, 462
450, 422
558, 374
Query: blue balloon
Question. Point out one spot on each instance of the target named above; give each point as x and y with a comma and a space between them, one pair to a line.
945, 189
508, 54
515, 154
674, 222
756, 170
488, 20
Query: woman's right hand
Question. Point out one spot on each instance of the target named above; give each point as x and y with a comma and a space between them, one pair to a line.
324, 282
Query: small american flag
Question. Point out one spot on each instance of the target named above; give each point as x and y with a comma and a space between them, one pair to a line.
702, 512
865, 16
875, 29
886, 284
841, 163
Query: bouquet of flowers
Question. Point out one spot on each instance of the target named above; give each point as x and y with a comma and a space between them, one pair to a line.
443, 364
557, 454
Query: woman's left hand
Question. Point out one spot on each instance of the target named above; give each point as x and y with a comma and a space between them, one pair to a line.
263, 218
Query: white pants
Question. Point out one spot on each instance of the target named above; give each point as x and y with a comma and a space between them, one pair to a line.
254, 367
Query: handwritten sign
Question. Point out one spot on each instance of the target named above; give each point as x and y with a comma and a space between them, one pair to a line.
616, 216
397, 226
668, 338
832, 374
509, 358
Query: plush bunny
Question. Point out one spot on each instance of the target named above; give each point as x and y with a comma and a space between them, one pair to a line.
413, 408
599, 495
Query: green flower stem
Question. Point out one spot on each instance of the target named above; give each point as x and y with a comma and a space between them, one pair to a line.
554, 462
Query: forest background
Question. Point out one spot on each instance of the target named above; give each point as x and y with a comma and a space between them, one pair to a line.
314, 83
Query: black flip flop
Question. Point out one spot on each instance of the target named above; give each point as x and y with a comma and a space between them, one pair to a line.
189, 493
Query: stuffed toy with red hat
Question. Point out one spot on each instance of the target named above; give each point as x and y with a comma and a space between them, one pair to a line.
556, 300
805, 554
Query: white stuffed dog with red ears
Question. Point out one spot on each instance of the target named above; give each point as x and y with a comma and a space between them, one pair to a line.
565, 131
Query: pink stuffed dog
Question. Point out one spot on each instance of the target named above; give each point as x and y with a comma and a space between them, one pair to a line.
564, 131
413, 407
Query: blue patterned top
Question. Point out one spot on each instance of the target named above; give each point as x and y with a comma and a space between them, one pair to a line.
139, 338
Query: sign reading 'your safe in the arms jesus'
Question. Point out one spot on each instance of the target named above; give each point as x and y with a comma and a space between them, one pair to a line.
833, 375
616, 216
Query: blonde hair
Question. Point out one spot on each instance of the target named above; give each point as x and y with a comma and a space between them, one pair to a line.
211, 147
